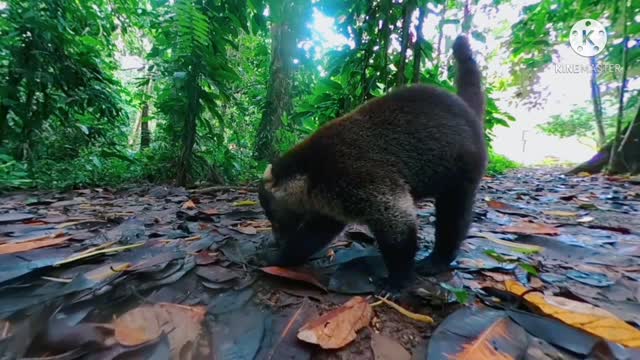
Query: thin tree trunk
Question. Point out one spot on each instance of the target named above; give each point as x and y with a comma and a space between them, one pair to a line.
417, 47
467, 17
597, 102
145, 133
189, 132
407, 10
623, 86
279, 102
385, 33
440, 36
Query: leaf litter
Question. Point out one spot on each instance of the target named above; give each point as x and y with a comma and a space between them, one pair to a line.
168, 272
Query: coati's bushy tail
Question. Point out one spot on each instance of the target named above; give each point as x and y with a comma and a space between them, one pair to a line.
468, 80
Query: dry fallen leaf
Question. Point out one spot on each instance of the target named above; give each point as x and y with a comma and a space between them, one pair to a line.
11, 248
247, 230
182, 324
245, 203
338, 327
210, 212
560, 213
581, 315
293, 275
482, 347
189, 205
495, 204
529, 228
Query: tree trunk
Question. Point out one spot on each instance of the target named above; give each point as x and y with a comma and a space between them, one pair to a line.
145, 134
597, 102
623, 85
189, 131
279, 102
440, 36
467, 17
627, 159
407, 10
417, 47
385, 34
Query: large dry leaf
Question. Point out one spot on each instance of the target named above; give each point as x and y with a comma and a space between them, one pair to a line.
581, 315
12, 248
478, 333
293, 275
182, 324
482, 347
338, 327
529, 228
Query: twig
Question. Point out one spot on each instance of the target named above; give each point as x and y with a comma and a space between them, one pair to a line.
405, 312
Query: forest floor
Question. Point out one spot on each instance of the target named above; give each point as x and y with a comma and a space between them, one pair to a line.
147, 271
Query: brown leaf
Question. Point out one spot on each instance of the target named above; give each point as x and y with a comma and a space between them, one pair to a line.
385, 348
248, 230
210, 212
499, 205
206, 258
11, 248
293, 275
529, 228
182, 324
338, 327
216, 274
482, 347
189, 205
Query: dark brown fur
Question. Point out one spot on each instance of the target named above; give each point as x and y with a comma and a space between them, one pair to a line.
371, 164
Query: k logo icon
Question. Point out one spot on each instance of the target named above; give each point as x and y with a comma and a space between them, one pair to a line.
588, 37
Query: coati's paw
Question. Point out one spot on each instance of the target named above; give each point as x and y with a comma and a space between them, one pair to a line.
390, 291
431, 266
394, 287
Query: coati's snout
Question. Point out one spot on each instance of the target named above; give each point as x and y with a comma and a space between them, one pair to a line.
284, 221
298, 232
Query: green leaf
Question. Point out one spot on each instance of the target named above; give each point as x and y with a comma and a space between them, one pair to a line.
461, 295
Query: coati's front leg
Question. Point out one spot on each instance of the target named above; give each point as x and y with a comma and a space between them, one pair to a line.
393, 224
310, 236
453, 218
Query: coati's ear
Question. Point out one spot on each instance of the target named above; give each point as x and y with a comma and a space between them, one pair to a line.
267, 178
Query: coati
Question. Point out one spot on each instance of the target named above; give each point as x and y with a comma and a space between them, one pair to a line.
370, 165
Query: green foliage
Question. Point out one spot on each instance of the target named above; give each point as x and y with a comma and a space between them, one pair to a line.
579, 123
500, 164
13, 174
70, 116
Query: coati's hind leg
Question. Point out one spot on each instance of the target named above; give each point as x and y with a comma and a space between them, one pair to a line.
314, 233
453, 218
393, 223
